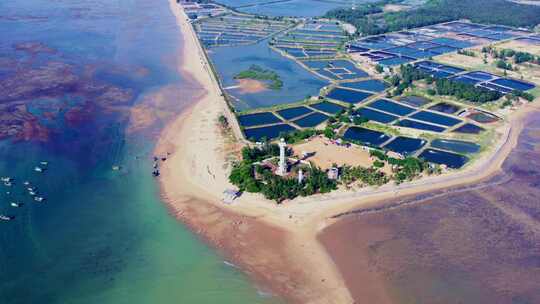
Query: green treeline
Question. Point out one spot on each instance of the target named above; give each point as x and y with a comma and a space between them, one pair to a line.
272, 186
465, 91
436, 11
258, 73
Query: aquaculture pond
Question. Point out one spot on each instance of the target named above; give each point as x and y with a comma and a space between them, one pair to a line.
416, 101
327, 107
365, 136
348, 96
391, 107
366, 85
451, 160
291, 113
436, 118
419, 125
457, 146
311, 120
294, 8
405, 145
258, 119
446, 108
269, 132
469, 128
483, 117
376, 115
298, 83
513, 84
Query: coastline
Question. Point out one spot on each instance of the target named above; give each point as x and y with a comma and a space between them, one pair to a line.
277, 245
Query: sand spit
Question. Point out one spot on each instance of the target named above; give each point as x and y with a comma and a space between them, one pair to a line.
276, 245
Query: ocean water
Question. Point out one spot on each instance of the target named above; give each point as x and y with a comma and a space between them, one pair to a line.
81, 82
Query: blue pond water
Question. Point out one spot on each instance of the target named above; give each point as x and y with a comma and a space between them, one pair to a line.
366, 85
297, 81
418, 125
376, 115
348, 96
257, 119
365, 136
291, 113
469, 128
445, 108
405, 145
480, 75
312, 120
513, 84
299, 8
457, 146
271, 132
327, 107
452, 160
391, 107
436, 118
416, 101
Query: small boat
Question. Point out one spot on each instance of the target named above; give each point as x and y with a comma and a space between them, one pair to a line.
38, 169
5, 179
39, 199
31, 189
32, 193
26, 183
44, 163
116, 168
5, 218
16, 205
8, 184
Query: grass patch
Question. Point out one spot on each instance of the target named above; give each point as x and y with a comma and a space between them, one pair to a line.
258, 73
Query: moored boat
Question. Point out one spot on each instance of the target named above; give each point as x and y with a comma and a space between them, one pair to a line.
15, 204
38, 169
5, 218
39, 199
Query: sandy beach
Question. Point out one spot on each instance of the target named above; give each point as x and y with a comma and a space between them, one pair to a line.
276, 245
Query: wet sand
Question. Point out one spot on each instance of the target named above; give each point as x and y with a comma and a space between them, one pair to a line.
470, 244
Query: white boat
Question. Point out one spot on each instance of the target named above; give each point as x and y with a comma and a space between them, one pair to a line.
31, 189
44, 163
32, 193
16, 205
39, 199
8, 184
5, 179
26, 183
5, 218
38, 169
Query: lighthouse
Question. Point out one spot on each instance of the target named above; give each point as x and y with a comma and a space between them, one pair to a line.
282, 163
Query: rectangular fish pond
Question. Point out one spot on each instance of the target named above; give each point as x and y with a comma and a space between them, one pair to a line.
348, 96
328, 107
371, 85
436, 118
391, 107
451, 160
292, 113
457, 146
270, 132
365, 136
405, 145
407, 123
311, 120
376, 115
257, 119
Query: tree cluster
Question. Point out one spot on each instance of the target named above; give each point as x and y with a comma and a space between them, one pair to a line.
465, 91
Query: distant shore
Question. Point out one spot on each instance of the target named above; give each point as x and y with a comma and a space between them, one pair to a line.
275, 244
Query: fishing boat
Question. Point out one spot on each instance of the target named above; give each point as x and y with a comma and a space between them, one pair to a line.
32, 193
26, 183
8, 184
31, 189
5, 179
16, 205
39, 199
5, 218
116, 168
44, 163
38, 169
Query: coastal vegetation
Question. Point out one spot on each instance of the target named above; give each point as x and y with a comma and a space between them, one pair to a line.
370, 21
272, 186
256, 72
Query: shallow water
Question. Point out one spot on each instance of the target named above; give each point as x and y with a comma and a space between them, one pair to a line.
101, 236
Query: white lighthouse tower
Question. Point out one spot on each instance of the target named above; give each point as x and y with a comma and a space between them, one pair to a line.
300, 176
282, 163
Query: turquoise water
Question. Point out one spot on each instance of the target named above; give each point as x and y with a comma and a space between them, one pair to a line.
101, 236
